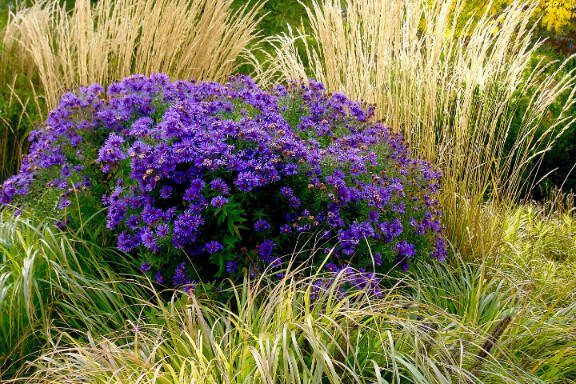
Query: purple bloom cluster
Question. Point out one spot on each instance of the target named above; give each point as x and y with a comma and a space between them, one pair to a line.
215, 170
346, 278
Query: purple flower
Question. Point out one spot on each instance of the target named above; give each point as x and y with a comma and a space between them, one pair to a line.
66, 171
332, 267
391, 230
290, 169
231, 266
64, 202
294, 202
295, 155
373, 216
265, 250
126, 242
247, 181
276, 262
61, 224
189, 287
179, 277
163, 230
219, 185
186, 227
148, 240
145, 267
111, 152
166, 192
192, 193
218, 201
405, 249
440, 250
213, 247
261, 225
141, 126
378, 259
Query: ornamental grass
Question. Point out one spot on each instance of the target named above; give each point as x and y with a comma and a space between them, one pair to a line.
281, 332
468, 97
108, 40
49, 279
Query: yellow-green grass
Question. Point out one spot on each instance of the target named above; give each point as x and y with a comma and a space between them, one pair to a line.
50, 278
280, 333
443, 323
540, 249
497, 321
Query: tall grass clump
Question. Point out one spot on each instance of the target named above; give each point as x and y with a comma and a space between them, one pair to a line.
468, 98
540, 248
51, 279
291, 331
520, 297
109, 40
20, 103
516, 324
539, 258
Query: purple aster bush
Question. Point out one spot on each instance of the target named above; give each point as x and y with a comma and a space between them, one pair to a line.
208, 179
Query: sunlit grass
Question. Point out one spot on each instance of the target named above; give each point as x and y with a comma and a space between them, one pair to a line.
108, 40
467, 98
540, 248
279, 333
49, 278
442, 322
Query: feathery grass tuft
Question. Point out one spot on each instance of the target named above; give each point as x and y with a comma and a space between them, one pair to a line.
109, 40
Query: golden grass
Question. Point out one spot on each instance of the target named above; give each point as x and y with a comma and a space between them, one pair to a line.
454, 92
279, 333
540, 248
104, 42
452, 322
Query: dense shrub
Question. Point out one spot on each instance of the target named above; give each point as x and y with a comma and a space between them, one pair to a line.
227, 176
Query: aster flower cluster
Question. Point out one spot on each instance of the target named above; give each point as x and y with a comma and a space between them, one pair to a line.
229, 175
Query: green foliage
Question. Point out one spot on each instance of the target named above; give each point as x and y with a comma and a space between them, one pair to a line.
283, 333
20, 111
519, 320
278, 14
49, 280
